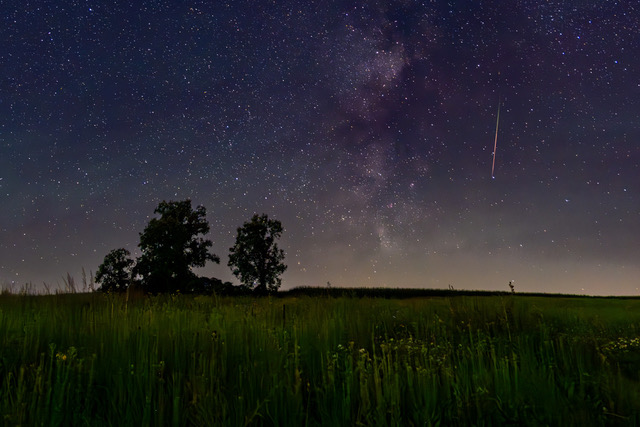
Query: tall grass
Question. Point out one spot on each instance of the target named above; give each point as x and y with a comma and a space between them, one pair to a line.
98, 359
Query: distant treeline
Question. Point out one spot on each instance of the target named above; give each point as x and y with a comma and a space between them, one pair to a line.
399, 293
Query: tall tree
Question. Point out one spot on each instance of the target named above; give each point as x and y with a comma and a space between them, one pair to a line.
115, 272
171, 245
255, 259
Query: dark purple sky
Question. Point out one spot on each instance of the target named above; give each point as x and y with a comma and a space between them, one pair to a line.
368, 131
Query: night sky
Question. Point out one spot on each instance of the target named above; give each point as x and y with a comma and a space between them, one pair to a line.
367, 130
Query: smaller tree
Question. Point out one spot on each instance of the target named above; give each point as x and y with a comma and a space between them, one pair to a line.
114, 274
255, 259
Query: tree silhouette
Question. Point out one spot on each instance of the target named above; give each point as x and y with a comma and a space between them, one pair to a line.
115, 272
255, 258
170, 247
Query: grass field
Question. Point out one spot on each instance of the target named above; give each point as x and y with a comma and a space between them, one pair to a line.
94, 359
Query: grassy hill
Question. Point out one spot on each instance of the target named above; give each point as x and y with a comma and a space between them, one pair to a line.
320, 357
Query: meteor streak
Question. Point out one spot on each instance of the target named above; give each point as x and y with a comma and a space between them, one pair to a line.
495, 143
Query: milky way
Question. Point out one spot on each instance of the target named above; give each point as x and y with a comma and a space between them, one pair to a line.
368, 130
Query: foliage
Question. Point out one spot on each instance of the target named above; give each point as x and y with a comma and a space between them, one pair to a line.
115, 272
171, 246
107, 359
211, 285
255, 258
